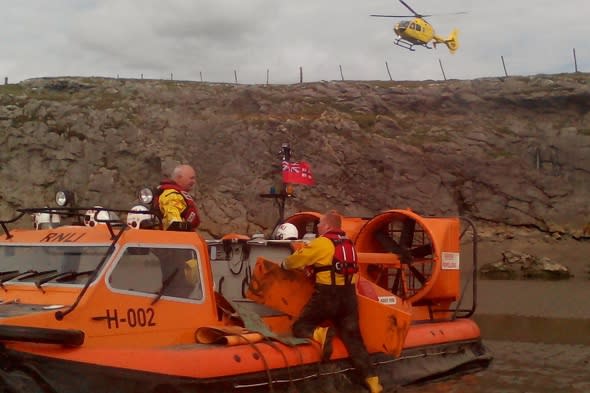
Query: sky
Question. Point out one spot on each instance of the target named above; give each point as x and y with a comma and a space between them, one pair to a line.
219, 40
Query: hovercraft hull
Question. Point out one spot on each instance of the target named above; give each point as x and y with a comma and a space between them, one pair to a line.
198, 368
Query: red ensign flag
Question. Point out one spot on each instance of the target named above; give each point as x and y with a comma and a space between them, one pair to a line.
297, 173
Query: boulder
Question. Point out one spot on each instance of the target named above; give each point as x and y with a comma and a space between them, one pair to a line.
518, 265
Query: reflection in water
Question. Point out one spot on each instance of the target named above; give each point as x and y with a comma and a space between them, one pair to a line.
534, 329
522, 367
552, 299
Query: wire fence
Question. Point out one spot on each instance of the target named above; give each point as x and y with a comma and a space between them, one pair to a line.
301, 79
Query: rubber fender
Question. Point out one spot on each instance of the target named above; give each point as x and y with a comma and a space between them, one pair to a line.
69, 337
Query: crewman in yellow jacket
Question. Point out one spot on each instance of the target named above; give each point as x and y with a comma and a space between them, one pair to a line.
180, 270
332, 259
177, 206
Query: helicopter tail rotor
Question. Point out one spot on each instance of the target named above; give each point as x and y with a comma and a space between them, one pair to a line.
452, 41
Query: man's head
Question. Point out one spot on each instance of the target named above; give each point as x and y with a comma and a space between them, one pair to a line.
330, 221
184, 176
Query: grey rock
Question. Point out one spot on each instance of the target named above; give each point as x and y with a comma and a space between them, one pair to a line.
513, 151
519, 265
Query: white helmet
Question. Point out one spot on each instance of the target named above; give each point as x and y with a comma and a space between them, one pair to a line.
134, 220
42, 220
91, 216
287, 231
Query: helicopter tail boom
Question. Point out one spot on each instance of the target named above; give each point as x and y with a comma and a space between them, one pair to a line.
452, 41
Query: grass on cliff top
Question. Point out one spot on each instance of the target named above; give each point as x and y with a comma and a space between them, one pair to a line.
103, 101
11, 89
41, 94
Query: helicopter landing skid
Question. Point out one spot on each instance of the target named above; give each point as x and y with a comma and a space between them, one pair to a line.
408, 45
404, 44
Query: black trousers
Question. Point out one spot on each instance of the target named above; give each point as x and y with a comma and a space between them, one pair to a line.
337, 304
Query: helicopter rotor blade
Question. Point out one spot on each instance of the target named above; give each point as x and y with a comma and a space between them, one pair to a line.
449, 13
411, 10
393, 16
421, 16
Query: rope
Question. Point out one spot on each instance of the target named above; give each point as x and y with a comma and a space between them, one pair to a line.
266, 367
273, 345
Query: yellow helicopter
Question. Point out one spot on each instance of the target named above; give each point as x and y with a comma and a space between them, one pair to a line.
419, 32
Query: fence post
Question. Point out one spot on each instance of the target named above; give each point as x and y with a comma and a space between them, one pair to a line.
236, 76
201, 75
267, 75
442, 69
388, 73
341, 74
575, 61
504, 65
171, 77
5, 80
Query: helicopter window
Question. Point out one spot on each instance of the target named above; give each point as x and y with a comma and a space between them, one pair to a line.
412, 26
172, 272
418, 28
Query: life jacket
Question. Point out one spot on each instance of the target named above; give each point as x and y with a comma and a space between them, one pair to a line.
345, 261
190, 214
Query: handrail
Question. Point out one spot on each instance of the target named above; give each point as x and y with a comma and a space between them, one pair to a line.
59, 315
469, 311
4, 222
465, 312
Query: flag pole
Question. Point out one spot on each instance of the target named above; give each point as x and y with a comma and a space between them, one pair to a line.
281, 196
285, 157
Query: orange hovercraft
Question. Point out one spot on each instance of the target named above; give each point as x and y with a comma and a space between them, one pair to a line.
93, 303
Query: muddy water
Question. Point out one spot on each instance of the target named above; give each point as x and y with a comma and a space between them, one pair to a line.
568, 299
539, 334
520, 367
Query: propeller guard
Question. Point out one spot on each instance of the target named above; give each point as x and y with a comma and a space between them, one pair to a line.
414, 257
403, 252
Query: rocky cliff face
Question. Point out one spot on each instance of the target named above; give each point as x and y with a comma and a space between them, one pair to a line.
509, 151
